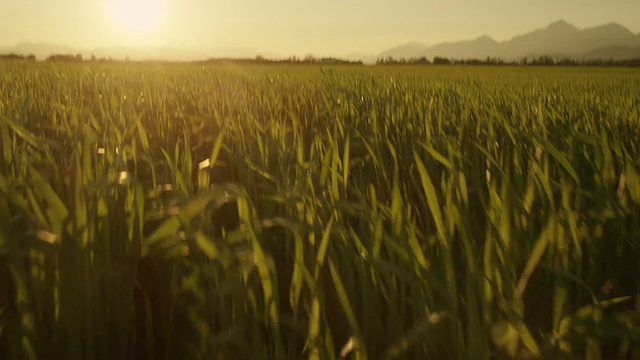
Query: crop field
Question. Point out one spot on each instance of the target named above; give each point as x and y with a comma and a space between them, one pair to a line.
189, 211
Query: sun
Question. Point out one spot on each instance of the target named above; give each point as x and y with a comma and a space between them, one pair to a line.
137, 16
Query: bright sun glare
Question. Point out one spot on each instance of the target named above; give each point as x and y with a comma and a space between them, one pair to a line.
137, 16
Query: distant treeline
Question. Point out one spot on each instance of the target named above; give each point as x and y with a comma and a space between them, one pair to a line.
65, 58
309, 59
17, 57
55, 57
538, 61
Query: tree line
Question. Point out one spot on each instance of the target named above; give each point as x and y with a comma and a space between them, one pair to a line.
310, 59
54, 57
534, 61
17, 57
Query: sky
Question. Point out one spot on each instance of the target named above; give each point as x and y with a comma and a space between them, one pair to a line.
293, 27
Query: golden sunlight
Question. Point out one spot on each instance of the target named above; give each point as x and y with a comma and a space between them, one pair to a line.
137, 16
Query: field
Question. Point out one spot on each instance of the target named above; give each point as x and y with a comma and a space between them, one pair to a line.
266, 212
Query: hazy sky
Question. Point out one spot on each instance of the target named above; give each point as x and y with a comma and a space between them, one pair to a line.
322, 27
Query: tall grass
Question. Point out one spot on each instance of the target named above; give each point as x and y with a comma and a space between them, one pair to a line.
182, 211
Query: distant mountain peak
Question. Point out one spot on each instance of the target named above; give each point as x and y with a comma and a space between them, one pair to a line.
561, 24
613, 26
612, 29
558, 39
485, 38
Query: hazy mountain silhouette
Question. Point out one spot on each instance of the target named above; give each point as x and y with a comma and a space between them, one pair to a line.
479, 48
614, 53
409, 50
559, 39
43, 50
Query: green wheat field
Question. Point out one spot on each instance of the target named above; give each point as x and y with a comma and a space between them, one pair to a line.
189, 211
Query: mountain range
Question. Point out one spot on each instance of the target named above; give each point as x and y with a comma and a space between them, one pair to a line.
559, 40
